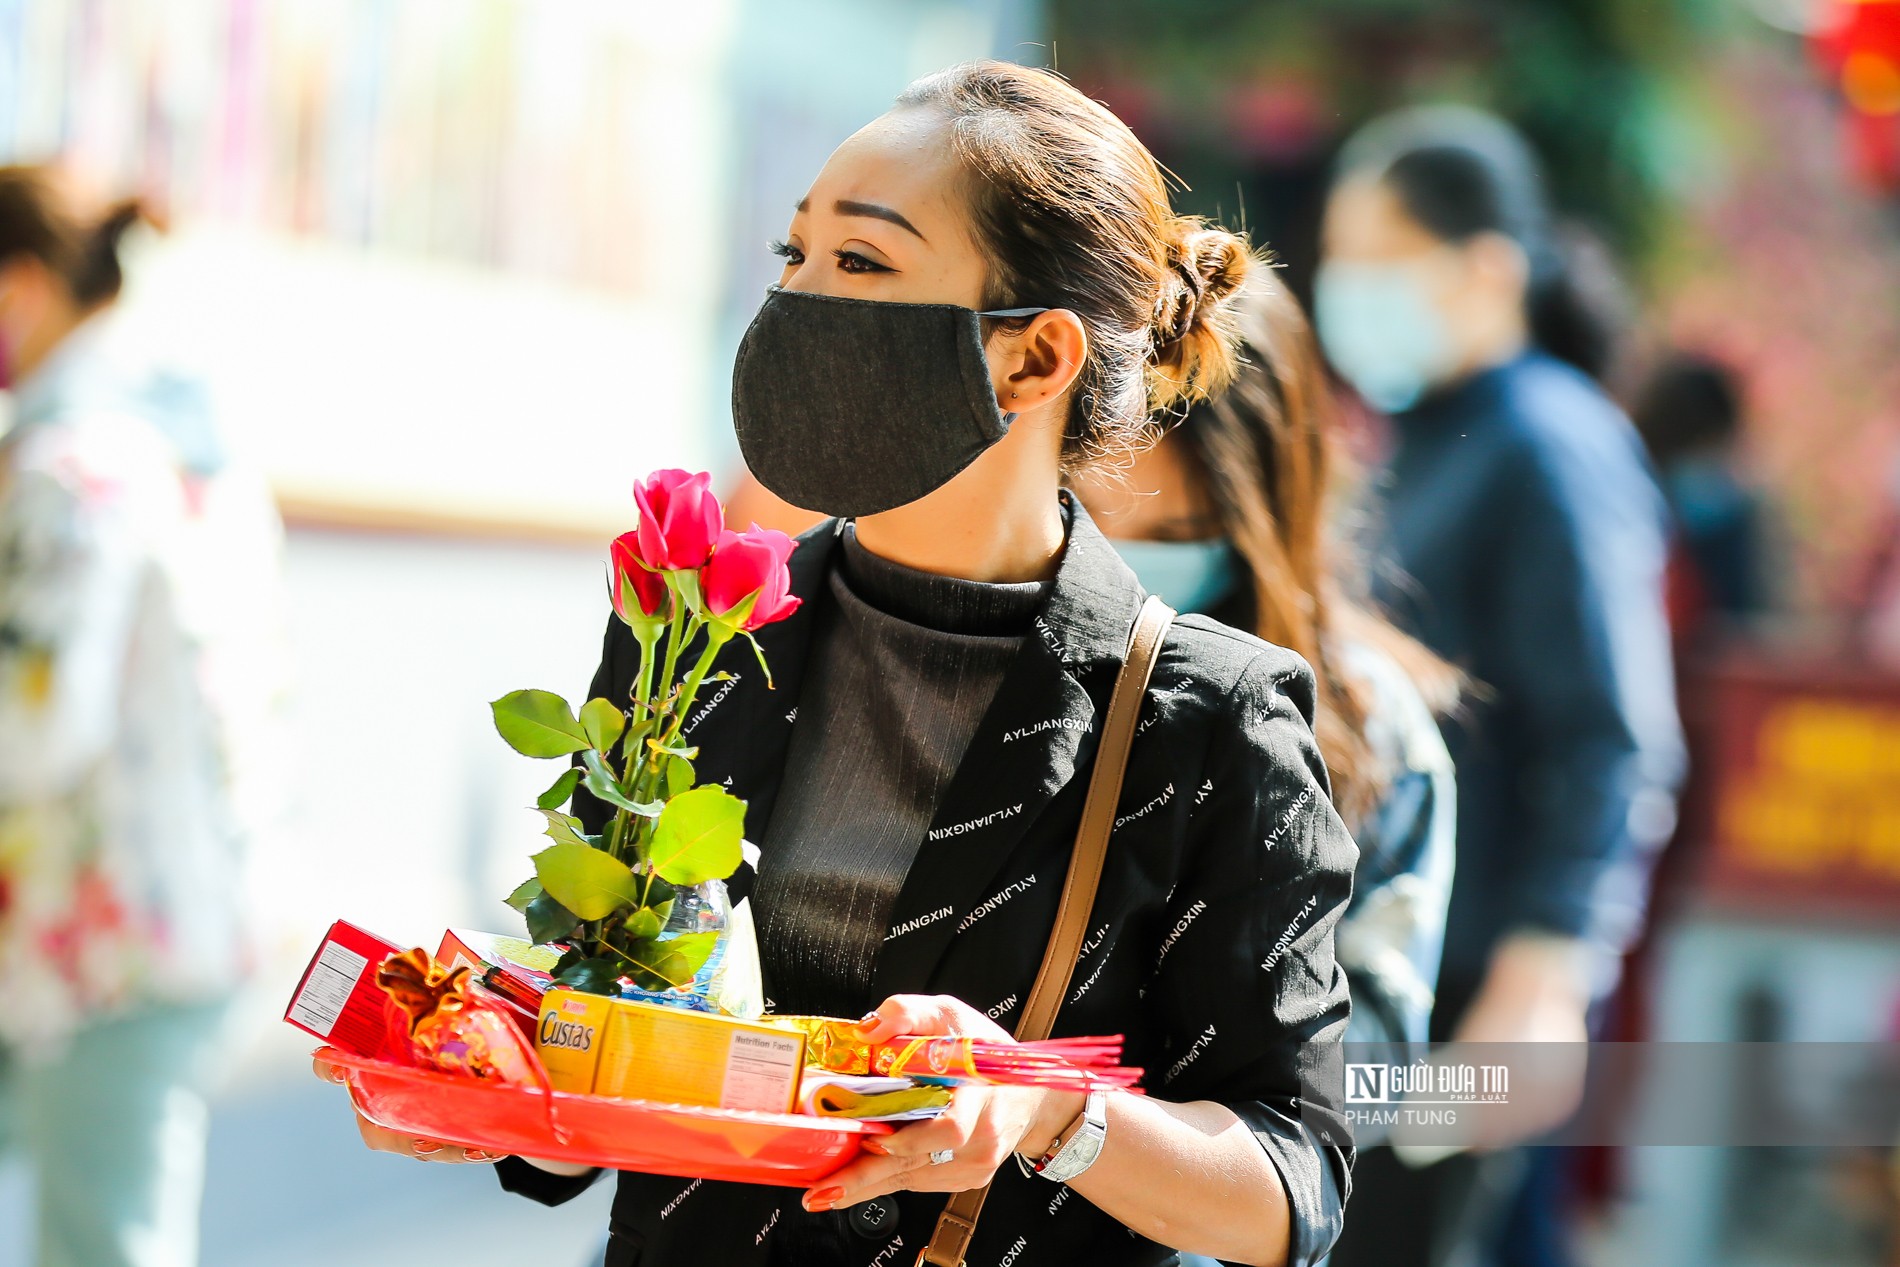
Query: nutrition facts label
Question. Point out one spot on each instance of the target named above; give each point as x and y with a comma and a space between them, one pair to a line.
759, 1070
332, 977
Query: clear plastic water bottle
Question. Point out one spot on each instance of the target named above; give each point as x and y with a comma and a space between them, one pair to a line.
704, 908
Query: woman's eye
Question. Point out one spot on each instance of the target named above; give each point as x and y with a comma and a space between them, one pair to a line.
792, 256
852, 262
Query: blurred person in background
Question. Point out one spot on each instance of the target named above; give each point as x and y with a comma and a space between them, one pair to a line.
135, 570
1226, 514
1689, 414
1526, 540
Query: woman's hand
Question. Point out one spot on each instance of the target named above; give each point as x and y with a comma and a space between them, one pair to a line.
402, 1145
980, 1129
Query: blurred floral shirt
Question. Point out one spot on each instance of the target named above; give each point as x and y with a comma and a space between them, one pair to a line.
139, 650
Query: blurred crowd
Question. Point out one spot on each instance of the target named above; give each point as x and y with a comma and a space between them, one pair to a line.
1492, 540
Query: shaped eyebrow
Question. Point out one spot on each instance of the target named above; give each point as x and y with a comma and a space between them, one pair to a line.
848, 207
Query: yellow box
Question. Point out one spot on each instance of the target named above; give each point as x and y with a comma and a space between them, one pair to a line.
680, 1057
571, 1035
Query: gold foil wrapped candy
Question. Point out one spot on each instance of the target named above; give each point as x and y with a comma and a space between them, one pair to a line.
450, 1026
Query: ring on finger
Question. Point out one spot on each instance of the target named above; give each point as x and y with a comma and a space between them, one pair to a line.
941, 1156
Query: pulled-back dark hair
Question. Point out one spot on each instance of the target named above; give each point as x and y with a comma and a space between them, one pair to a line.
1072, 212
1460, 172
36, 221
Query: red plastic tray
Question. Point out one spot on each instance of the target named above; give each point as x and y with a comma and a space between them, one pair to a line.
793, 1150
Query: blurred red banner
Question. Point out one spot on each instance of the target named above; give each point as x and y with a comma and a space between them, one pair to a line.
1798, 809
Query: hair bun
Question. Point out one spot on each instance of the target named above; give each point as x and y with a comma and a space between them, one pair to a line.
1195, 332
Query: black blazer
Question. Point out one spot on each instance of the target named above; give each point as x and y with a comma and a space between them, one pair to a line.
1210, 946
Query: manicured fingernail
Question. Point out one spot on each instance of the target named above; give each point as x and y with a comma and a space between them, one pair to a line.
427, 1148
872, 1146
867, 1020
476, 1154
823, 1199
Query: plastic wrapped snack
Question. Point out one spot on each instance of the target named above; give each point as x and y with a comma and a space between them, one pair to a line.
452, 1026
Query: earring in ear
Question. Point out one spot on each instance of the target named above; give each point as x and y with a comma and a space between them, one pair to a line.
1012, 395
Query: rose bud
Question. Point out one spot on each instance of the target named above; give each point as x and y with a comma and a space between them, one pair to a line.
636, 592
746, 583
680, 519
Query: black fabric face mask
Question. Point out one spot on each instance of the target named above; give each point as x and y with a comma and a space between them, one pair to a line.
855, 406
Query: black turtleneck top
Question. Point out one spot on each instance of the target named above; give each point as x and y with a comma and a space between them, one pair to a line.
904, 664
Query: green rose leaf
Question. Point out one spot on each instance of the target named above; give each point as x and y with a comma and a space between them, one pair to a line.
679, 776
592, 976
564, 829
600, 781
662, 965
602, 723
528, 890
538, 724
560, 793
697, 837
549, 921
587, 881
647, 923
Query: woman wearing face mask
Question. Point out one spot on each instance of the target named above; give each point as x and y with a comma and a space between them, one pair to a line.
982, 290
135, 568
1226, 515
1528, 539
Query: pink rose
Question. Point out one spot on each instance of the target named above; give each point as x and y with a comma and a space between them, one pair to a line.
746, 583
635, 591
679, 519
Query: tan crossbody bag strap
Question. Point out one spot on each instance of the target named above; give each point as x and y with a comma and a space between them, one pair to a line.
958, 1221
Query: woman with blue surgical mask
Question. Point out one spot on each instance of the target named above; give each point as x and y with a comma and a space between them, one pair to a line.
1523, 540
1226, 515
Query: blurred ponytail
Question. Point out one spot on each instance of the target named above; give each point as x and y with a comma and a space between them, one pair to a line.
99, 276
37, 221
1580, 311
1459, 172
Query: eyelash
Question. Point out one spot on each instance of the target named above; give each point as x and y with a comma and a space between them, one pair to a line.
849, 261
852, 262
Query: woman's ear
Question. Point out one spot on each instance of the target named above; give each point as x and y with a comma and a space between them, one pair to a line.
1038, 365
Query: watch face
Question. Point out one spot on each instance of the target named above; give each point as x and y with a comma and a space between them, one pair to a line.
1078, 1154
1080, 1150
